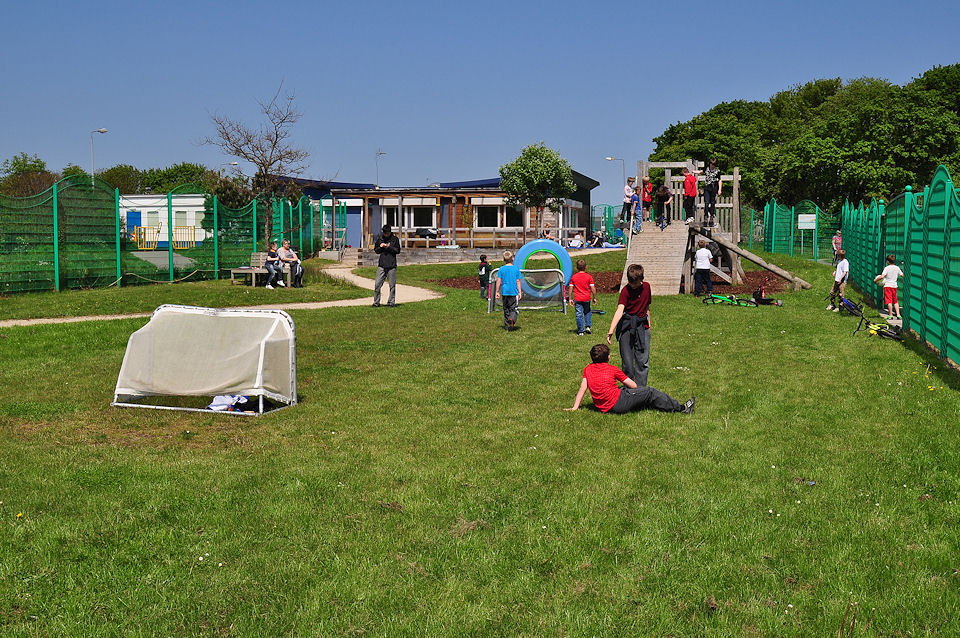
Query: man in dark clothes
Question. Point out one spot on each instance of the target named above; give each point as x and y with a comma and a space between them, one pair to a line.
387, 245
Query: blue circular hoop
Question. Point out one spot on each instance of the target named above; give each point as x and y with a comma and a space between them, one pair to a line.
544, 246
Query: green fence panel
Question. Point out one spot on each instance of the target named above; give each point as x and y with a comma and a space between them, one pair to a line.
26, 243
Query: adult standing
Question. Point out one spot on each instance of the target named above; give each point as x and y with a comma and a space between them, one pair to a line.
689, 194
387, 246
627, 203
711, 190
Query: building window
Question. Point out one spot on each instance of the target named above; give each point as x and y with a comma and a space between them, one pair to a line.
198, 219
390, 216
423, 216
514, 216
179, 218
153, 218
487, 216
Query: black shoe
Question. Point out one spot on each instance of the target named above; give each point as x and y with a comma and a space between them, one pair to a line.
376, 305
391, 305
688, 406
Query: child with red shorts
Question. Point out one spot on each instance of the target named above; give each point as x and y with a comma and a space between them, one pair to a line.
889, 277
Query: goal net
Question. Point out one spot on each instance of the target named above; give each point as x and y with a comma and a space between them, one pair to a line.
543, 289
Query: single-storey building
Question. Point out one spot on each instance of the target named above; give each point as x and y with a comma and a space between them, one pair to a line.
467, 214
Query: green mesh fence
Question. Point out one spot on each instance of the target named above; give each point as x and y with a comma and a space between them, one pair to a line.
27, 251
781, 232
73, 235
751, 228
778, 223
331, 226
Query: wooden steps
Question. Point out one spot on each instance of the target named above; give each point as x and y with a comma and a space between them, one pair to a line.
661, 255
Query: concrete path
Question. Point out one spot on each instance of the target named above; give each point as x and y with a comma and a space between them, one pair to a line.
405, 294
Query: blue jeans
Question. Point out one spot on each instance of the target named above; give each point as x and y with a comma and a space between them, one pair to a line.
637, 221
584, 315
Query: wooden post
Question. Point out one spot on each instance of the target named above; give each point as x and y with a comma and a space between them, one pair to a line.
666, 181
735, 270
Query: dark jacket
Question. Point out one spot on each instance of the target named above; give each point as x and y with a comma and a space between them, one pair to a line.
388, 255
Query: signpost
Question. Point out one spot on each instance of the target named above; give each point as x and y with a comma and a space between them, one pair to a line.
806, 222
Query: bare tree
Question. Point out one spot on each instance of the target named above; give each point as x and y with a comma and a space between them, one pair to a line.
267, 147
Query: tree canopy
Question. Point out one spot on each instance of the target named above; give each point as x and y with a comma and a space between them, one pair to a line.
827, 140
538, 178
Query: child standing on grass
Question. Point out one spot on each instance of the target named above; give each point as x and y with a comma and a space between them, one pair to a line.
601, 379
889, 277
632, 324
581, 292
508, 285
840, 276
483, 274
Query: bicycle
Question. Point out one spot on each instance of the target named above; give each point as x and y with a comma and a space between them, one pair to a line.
882, 330
732, 300
847, 306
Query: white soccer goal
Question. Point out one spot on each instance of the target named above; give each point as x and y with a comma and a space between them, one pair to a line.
543, 289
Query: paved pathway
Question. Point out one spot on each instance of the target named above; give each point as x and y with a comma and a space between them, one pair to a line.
405, 294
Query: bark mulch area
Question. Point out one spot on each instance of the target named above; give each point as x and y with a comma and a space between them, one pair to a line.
608, 282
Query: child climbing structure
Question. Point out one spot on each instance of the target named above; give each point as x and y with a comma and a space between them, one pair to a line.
667, 255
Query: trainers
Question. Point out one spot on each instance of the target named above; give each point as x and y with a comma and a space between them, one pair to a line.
830, 307
376, 305
579, 334
587, 329
510, 324
281, 284
268, 287
688, 406
836, 310
688, 220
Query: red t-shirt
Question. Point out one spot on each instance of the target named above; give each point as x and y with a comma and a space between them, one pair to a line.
690, 185
581, 282
602, 382
635, 301
648, 192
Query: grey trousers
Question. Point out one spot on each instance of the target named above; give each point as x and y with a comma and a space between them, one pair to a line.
635, 354
511, 309
390, 276
645, 398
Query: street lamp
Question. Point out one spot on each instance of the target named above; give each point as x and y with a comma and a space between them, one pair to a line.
99, 130
623, 165
379, 153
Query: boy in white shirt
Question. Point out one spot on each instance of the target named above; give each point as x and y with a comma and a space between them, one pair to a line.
840, 276
702, 278
889, 277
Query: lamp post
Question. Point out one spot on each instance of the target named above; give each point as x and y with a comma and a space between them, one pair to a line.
379, 153
99, 130
623, 166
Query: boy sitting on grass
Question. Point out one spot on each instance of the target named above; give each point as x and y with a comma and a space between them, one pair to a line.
601, 379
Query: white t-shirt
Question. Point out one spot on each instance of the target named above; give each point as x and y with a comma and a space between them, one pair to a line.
890, 274
703, 259
843, 270
627, 193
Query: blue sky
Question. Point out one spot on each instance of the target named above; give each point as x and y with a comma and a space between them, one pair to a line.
449, 90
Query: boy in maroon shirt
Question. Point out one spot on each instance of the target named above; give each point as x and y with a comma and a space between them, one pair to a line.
632, 323
601, 379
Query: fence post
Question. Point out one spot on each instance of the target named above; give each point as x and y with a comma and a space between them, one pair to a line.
816, 232
56, 239
116, 211
170, 234
299, 223
880, 235
751, 228
216, 241
908, 208
311, 229
793, 227
254, 224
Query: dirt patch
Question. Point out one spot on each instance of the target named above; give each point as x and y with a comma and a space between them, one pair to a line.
608, 282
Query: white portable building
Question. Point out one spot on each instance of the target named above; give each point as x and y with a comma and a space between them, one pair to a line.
191, 351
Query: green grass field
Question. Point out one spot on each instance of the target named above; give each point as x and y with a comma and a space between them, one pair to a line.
430, 484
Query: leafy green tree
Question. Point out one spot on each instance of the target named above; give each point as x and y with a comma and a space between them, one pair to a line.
123, 177
72, 169
163, 180
540, 177
24, 175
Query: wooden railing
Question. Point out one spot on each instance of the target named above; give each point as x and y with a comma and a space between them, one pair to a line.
483, 237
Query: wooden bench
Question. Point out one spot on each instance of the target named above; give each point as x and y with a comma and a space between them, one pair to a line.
256, 267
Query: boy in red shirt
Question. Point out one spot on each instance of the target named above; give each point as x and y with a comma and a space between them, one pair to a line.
689, 194
601, 379
581, 292
632, 323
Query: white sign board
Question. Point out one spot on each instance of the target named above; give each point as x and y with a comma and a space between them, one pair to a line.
806, 222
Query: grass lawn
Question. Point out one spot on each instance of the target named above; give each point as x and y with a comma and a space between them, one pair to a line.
430, 483
145, 298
